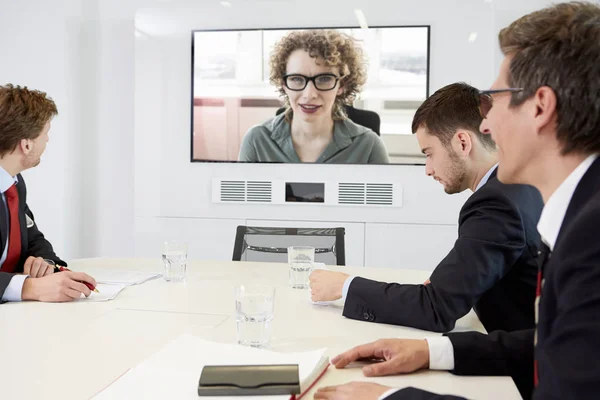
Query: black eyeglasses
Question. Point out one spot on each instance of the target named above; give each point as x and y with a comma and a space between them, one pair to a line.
323, 82
485, 101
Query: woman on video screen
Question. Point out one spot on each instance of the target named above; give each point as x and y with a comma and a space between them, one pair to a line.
316, 72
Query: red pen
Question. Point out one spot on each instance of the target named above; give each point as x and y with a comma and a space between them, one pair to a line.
61, 269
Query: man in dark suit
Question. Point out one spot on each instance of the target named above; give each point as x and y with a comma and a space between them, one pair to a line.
543, 112
493, 264
27, 259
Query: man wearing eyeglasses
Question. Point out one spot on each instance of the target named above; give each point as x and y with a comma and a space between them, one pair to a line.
544, 114
493, 264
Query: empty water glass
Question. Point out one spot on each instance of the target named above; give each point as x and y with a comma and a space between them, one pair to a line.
254, 313
300, 261
174, 256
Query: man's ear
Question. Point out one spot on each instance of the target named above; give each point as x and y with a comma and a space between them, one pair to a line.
545, 108
464, 142
25, 145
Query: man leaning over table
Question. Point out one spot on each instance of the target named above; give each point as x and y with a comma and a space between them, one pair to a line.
544, 114
493, 264
25, 273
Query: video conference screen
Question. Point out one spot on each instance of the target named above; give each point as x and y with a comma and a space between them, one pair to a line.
238, 114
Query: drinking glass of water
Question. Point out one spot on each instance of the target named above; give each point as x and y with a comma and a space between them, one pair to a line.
254, 312
174, 256
300, 261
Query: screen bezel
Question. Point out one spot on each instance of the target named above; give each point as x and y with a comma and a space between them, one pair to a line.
427, 79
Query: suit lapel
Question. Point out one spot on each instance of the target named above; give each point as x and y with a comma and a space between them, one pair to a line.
3, 225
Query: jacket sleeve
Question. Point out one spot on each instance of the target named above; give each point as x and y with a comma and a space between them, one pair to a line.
5, 278
37, 245
491, 238
497, 354
419, 394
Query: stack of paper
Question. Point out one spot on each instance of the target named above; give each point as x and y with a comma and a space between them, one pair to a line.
120, 276
174, 371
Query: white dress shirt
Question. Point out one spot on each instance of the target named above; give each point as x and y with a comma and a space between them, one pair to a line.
15, 286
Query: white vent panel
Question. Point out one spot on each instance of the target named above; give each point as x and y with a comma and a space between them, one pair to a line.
233, 191
381, 194
258, 191
351, 193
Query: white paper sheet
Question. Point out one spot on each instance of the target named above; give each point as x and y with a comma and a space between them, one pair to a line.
106, 292
120, 276
174, 371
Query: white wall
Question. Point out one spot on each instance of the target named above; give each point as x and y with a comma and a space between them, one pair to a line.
102, 190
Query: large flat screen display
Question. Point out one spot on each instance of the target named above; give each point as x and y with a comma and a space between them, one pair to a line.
338, 93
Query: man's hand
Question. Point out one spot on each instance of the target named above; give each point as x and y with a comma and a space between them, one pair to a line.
399, 355
36, 267
351, 391
326, 285
59, 287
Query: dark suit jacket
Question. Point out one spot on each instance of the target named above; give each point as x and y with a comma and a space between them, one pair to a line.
568, 330
492, 268
33, 242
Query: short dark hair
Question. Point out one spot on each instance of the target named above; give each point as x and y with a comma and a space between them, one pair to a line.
23, 114
559, 47
451, 108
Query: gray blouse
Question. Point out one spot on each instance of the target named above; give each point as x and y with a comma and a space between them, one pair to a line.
271, 141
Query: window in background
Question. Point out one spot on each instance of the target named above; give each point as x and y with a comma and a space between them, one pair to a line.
215, 56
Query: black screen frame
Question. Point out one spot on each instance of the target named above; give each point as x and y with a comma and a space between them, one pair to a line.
427, 79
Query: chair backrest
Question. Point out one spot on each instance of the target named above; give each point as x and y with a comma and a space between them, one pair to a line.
270, 244
366, 118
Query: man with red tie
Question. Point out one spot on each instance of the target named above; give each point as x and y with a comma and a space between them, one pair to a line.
26, 258
543, 112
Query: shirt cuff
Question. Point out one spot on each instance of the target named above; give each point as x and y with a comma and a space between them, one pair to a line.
388, 393
15, 288
441, 353
346, 287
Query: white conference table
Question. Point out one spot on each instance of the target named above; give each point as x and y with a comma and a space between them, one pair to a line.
74, 350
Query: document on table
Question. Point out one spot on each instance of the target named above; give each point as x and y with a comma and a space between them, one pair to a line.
174, 371
106, 292
120, 276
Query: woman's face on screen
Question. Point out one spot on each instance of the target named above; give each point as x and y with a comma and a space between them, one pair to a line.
311, 104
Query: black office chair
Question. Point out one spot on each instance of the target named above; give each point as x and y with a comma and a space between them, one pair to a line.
270, 244
366, 118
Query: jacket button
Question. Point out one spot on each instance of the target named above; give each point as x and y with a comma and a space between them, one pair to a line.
366, 316
371, 318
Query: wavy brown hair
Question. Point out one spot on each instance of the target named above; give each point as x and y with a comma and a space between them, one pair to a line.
337, 49
23, 114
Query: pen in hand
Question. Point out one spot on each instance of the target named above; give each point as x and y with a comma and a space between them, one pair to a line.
89, 286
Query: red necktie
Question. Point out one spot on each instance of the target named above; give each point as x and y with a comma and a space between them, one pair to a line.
14, 237
544, 255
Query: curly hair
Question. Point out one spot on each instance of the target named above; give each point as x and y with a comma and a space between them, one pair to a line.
23, 114
337, 49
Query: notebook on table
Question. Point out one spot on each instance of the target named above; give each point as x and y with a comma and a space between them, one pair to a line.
174, 371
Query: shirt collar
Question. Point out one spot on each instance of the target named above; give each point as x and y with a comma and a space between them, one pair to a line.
555, 209
6, 181
486, 177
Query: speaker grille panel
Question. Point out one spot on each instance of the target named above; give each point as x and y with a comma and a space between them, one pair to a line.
381, 194
351, 193
258, 191
233, 191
